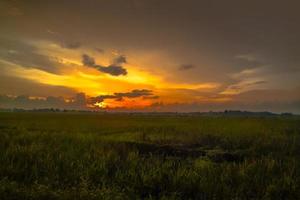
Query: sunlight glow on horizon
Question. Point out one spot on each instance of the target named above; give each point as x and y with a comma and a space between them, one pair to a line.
74, 75
94, 83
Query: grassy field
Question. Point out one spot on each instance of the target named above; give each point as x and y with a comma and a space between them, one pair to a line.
121, 156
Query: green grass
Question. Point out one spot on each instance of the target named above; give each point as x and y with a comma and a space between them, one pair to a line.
121, 156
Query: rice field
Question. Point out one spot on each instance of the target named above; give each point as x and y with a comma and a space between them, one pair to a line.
148, 156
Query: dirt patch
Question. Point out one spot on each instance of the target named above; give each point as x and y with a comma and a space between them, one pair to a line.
164, 150
225, 157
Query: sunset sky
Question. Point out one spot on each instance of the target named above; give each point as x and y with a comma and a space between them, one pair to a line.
150, 55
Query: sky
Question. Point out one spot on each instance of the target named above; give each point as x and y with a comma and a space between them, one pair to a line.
150, 55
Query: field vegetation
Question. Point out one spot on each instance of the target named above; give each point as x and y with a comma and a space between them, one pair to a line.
133, 156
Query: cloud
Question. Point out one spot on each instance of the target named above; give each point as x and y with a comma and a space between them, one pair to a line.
78, 102
99, 50
26, 55
243, 86
255, 100
259, 82
121, 59
27, 102
151, 97
120, 95
249, 61
70, 45
279, 107
135, 93
186, 67
113, 69
10, 8
17, 85
88, 60
269, 95
248, 57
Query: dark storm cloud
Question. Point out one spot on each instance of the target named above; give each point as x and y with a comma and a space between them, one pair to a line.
26, 55
120, 95
186, 67
113, 70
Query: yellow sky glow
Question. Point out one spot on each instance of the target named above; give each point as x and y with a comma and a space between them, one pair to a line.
94, 83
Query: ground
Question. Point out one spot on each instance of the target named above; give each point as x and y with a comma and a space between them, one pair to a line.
148, 156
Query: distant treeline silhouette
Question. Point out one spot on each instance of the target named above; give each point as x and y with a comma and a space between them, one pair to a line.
210, 113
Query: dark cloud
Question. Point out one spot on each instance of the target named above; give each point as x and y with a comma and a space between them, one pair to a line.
80, 99
113, 70
70, 45
26, 55
267, 100
88, 60
16, 86
99, 50
186, 67
121, 59
135, 93
78, 102
120, 95
151, 97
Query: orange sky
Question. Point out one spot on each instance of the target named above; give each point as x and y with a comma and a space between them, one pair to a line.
173, 55
90, 81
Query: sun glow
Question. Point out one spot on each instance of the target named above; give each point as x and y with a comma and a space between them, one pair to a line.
72, 74
101, 104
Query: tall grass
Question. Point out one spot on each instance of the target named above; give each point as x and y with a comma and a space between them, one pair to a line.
120, 156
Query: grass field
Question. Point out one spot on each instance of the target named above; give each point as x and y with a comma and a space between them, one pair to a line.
121, 156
